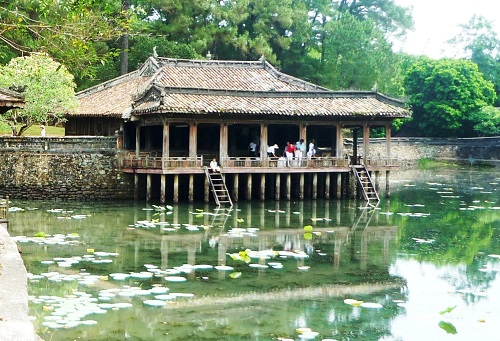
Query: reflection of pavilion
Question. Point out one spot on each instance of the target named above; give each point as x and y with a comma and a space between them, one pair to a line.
345, 244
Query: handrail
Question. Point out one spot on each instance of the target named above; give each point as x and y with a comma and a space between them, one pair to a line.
159, 162
4, 208
279, 162
150, 160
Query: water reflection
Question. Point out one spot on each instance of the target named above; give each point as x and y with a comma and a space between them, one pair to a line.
435, 236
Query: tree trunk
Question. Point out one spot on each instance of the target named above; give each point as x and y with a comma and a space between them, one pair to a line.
124, 43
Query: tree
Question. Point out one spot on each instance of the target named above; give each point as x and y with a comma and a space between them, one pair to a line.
65, 29
486, 121
357, 56
443, 94
48, 88
481, 45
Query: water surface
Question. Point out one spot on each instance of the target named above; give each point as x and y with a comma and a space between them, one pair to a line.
422, 265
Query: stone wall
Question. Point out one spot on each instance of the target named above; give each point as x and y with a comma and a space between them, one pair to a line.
83, 171
409, 150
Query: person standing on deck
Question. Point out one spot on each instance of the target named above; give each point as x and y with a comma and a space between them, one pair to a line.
289, 151
42, 131
253, 148
300, 150
312, 149
271, 150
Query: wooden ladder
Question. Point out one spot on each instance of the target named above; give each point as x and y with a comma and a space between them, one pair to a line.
218, 186
366, 183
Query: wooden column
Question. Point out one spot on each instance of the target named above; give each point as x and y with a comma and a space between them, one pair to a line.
136, 186
327, 185
288, 186
206, 195
223, 143
377, 181
315, 186
387, 187
166, 134
249, 186
137, 140
303, 133
263, 140
340, 142
176, 188
301, 186
163, 183
338, 189
366, 143
388, 140
191, 188
277, 187
193, 138
148, 187
263, 187
236, 184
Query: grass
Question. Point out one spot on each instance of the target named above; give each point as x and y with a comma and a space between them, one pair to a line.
34, 130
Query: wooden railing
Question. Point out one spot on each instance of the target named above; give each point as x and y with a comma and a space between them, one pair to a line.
4, 208
146, 160
278, 162
153, 161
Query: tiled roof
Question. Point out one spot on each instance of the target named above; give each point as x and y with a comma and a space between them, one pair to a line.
11, 99
192, 103
164, 85
111, 99
228, 75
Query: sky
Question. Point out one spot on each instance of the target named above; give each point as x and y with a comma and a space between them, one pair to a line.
437, 21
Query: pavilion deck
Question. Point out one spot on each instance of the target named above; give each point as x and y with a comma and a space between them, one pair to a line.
149, 163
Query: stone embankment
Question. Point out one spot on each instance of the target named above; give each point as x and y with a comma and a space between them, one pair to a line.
15, 324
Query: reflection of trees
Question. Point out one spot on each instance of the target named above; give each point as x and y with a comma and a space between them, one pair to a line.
461, 224
349, 254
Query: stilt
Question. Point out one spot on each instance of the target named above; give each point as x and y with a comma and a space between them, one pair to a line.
338, 189
327, 185
315, 186
249, 186
191, 188
136, 186
236, 184
288, 186
162, 188
351, 186
301, 186
148, 187
176, 188
206, 194
377, 181
278, 187
263, 187
387, 187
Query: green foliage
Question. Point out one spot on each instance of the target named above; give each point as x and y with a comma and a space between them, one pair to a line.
486, 121
444, 93
48, 88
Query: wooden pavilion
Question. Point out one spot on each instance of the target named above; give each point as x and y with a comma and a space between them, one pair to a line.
10, 100
173, 116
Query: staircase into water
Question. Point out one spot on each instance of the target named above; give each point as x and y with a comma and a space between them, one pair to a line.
218, 187
365, 181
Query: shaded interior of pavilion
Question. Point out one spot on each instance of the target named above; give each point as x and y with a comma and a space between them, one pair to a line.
187, 139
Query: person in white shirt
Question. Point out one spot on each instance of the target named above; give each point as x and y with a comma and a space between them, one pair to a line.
214, 166
271, 150
42, 132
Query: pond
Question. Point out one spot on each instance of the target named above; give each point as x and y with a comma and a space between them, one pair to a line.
422, 265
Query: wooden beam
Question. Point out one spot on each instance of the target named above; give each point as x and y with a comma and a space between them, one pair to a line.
163, 183
193, 138
223, 146
136, 186
148, 187
166, 132
340, 141
277, 187
388, 140
176, 188
315, 186
366, 141
249, 186
206, 194
236, 184
191, 188
263, 140
263, 187
137, 140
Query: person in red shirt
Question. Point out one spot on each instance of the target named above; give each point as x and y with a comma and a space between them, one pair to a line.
289, 150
